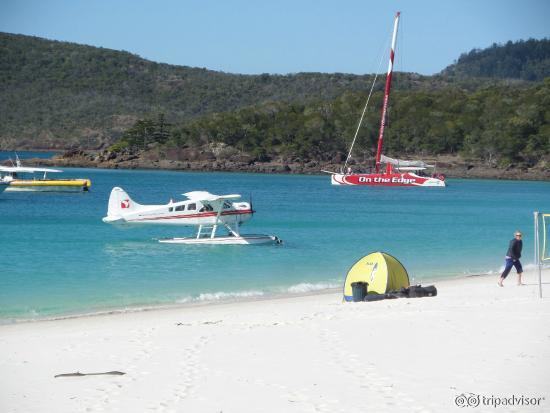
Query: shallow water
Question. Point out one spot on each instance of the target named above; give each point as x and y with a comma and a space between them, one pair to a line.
60, 258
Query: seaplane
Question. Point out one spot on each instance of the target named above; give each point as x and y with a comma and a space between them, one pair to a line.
203, 210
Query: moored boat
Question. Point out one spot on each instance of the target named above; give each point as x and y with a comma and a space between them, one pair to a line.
24, 179
397, 172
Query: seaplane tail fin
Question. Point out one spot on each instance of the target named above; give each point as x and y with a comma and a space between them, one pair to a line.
120, 203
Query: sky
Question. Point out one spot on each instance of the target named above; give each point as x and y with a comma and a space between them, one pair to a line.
283, 36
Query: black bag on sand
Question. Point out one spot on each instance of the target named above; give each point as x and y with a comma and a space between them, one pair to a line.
374, 297
431, 291
417, 291
401, 293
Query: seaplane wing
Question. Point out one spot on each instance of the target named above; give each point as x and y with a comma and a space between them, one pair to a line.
203, 196
216, 203
200, 208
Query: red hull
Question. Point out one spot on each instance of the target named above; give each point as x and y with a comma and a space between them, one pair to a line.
387, 179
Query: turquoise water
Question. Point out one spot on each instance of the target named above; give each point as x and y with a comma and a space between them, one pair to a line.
59, 258
5, 155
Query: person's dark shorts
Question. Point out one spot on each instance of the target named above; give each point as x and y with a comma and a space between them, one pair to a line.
511, 263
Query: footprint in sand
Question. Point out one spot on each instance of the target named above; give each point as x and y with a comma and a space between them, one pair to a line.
383, 391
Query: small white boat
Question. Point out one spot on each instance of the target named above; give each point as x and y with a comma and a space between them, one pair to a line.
24, 179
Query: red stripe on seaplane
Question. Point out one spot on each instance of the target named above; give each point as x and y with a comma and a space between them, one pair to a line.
202, 215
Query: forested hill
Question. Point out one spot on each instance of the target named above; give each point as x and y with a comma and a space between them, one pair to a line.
58, 94
526, 60
53, 93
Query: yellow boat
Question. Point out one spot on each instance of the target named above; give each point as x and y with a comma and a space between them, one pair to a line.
44, 184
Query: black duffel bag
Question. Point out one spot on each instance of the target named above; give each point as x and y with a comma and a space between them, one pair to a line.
417, 291
374, 297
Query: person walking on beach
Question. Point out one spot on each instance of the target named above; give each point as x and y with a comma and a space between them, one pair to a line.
512, 258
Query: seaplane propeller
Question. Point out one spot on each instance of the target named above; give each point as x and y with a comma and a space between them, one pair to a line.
250, 203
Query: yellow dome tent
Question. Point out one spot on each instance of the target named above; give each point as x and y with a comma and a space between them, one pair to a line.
381, 271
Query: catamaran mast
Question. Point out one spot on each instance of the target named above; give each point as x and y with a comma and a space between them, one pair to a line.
386, 94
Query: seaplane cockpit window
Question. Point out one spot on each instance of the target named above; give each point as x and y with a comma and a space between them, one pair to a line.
206, 208
226, 205
191, 207
171, 209
180, 208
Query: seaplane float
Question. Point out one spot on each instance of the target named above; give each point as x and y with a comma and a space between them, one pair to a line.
203, 210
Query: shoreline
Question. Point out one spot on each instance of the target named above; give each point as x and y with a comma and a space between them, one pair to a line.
451, 166
144, 308
298, 354
172, 306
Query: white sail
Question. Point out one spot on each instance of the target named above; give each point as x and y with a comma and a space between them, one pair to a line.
405, 164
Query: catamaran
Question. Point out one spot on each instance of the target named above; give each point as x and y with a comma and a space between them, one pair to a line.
397, 172
19, 178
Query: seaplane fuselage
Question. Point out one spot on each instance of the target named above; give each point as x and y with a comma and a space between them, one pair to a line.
194, 212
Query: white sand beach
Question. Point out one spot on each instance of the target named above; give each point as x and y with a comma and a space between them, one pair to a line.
301, 354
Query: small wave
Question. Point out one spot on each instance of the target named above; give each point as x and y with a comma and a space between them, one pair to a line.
301, 288
468, 273
185, 300
221, 296
309, 287
533, 266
